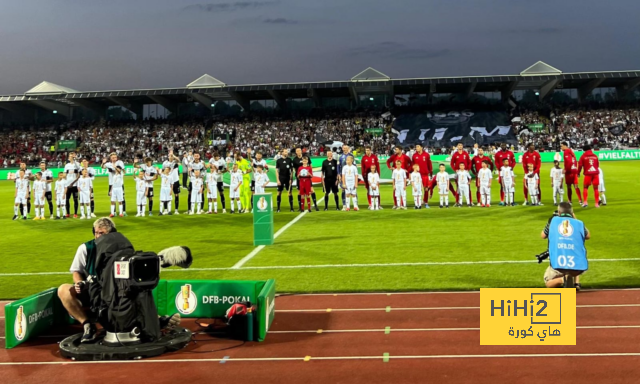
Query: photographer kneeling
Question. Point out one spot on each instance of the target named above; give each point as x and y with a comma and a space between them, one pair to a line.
567, 253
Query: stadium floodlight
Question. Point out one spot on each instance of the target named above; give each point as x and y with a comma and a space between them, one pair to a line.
537, 93
54, 111
213, 104
371, 98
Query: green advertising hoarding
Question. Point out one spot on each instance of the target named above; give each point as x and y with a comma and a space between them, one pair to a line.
374, 131
64, 145
263, 219
536, 127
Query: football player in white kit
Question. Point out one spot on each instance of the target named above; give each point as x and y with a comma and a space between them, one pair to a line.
47, 177
39, 189
255, 162
219, 166
484, 175
173, 163
92, 175
557, 180
21, 195
141, 192
462, 179
167, 188
85, 187
601, 189
72, 169
399, 176
61, 192
374, 188
211, 184
443, 182
235, 185
197, 187
416, 187
350, 183
150, 174
261, 179
117, 192
195, 165
508, 183
532, 184
28, 174
111, 166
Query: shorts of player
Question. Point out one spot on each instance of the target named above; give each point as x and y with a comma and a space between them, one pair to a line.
220, 185
557, 189
426, 181
38, 200
233, 192
253, 185
533, 189
443, 189
571, 178
463, 189
196, 198
150, 192
400, 191
259, 189
365, 178
508, 187
416, 191
176, 189
284, 185
85, 197
141, 199
485, 190
60, 200
330, 186
305, 188
212, 191
21, 199
350, 189
591, 180
374, 192
117, 195
165, 194
47, 195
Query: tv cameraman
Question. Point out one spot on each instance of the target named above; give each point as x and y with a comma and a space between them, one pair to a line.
566, 249
75, 297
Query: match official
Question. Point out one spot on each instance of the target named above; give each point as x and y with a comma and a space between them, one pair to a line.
567, 251
284, 167
330, 180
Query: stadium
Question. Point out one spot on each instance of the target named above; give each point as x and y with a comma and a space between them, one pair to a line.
363, 225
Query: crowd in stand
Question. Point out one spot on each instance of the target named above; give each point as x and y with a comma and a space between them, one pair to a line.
606, 128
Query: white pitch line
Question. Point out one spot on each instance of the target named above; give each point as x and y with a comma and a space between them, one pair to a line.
259, 248
334, 358
391, 329
384, 309
320, 266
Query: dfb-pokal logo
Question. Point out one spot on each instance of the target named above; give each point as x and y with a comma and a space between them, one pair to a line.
262, 204
20, 325
565, 228
186, 300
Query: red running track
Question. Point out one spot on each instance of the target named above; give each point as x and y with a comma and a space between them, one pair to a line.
344, 338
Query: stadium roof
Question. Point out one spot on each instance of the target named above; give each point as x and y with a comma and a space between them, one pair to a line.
206, 90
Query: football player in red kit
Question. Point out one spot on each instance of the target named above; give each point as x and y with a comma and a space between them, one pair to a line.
591, 165
368, 160
422, 158
531, 156
405, 162
501, 155
305, 173
571, 171
460, 156
476, 165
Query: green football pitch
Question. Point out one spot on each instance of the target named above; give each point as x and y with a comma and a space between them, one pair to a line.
388, 250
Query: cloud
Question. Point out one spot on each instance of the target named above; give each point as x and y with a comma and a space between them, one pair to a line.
229, 6
279, 20
392, 49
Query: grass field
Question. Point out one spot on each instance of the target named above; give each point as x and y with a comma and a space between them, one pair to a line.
436, 249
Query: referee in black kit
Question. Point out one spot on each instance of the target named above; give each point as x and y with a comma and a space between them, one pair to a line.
330, 179
284, 167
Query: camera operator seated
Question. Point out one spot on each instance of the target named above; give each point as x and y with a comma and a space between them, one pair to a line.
75, 297
567, 252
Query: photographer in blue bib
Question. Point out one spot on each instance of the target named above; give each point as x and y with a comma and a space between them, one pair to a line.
566, 250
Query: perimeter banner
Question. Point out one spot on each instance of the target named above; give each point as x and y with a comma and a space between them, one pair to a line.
527, 316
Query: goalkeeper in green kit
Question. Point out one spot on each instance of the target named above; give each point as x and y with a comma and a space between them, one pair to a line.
244, 166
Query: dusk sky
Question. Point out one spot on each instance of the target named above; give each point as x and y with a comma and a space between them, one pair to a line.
131, 44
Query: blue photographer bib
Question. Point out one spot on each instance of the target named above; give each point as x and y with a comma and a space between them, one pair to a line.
566, 244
